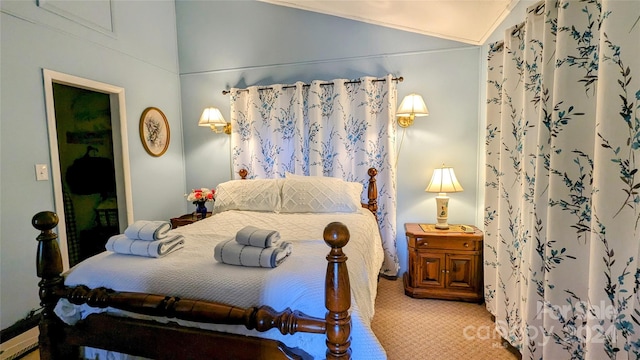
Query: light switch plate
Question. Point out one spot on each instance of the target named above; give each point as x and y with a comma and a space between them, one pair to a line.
42, 172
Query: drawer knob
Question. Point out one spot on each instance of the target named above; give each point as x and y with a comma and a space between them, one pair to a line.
425, 244
466, 244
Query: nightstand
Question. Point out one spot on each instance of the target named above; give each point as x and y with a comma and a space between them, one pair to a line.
185, 219
444, 264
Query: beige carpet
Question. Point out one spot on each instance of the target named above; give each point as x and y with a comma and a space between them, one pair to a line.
427, 329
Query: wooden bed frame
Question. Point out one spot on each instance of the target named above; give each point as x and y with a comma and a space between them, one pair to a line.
155, 340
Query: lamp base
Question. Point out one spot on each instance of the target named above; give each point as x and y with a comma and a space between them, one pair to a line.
442, 211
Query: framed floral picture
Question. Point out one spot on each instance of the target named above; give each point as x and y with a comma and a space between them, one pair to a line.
154, 131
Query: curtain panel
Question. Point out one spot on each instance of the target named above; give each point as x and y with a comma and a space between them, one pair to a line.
562, 208
339, 128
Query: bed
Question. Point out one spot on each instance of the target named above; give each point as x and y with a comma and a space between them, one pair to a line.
186, 305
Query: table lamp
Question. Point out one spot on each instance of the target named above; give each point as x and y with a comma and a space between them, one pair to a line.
442, 182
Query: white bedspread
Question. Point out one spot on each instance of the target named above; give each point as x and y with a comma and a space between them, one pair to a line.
297, 283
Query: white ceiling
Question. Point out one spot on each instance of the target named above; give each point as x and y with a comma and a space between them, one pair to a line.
468, 21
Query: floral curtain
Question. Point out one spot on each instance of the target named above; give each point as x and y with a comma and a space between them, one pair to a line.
339, 128
562, 208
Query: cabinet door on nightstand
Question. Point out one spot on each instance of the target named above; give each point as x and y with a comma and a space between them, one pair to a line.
460, 272
431, 270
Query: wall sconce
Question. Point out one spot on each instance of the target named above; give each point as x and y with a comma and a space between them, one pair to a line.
213, 118
442, 182
411, 106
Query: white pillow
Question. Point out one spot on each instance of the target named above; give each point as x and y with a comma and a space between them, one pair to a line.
289, 175
319, 194
252, 195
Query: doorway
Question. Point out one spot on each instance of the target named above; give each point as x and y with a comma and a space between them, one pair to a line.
89, 162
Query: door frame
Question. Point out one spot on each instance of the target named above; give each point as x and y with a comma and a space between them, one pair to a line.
120, 149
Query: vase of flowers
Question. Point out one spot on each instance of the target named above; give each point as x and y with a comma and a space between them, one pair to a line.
199, 197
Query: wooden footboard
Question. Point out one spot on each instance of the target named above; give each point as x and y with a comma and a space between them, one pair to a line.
171, 341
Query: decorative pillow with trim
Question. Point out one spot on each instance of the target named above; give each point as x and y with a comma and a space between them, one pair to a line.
249, 195
319, 194
289, 175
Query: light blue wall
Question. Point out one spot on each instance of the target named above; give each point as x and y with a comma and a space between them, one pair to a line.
225, 44
141, 57
220, 44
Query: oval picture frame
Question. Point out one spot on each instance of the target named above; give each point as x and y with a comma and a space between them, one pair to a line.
154, 131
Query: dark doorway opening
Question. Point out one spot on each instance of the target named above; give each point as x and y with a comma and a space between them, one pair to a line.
87, 171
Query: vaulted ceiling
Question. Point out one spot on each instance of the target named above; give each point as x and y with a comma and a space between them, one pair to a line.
467, 21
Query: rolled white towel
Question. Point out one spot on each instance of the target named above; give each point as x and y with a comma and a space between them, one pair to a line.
148, 230
232, 253
121, 244
253, 236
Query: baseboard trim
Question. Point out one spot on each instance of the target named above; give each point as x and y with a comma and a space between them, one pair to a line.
19, 345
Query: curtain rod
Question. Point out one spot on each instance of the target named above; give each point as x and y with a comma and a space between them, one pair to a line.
398, 79
496, 46
536, 8
517, 29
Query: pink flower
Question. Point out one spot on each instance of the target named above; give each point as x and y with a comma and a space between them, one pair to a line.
201, 195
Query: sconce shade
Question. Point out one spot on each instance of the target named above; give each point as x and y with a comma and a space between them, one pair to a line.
213, 118
411, 106
444, 181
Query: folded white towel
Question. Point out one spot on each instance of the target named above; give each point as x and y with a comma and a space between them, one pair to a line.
251, 235
148, 230
232, 253
121, 244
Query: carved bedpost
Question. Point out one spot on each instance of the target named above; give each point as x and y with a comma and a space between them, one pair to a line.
373, 191
337, 293
49, 270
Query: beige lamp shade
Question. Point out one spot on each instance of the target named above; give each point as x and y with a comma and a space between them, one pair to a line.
444, 181
411, 106
213, 118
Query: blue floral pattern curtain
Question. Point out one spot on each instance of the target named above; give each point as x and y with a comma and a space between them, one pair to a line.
562, 206
339, 128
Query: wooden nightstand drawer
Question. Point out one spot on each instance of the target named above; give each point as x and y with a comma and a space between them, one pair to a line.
447, 243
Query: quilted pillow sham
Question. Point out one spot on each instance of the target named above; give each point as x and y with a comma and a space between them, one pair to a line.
319, 194
248, 195
289, 175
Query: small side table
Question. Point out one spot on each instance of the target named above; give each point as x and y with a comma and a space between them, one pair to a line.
186, 219
444, 264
